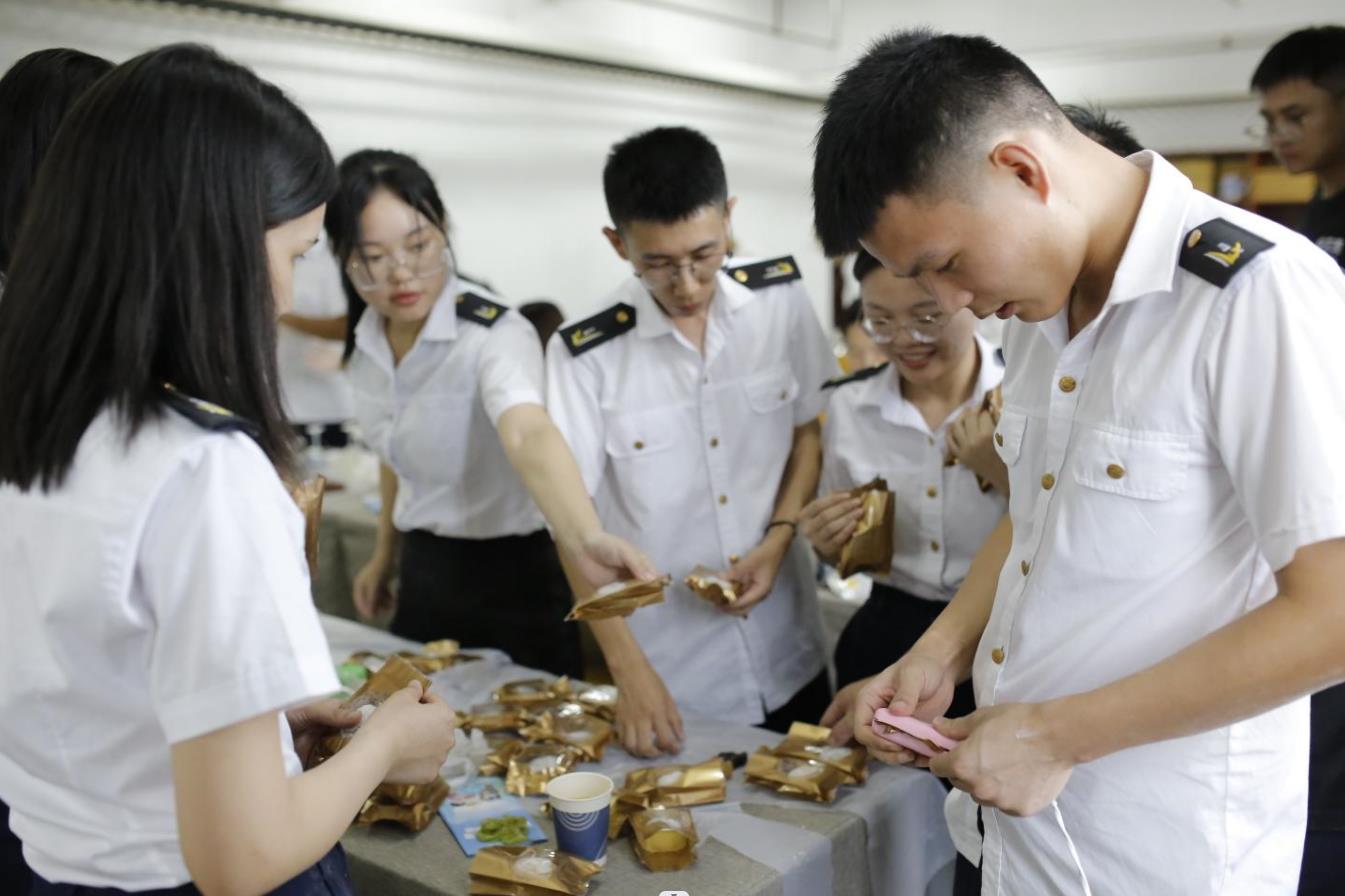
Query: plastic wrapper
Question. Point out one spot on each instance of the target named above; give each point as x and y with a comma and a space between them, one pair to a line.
568, 725
531, 767
806, 741
803, 778
525, 692
414, 816
528, 871
993, 404
677, 785
665, 838
597, 699
870, 548
308, 495
620, 599
710, 586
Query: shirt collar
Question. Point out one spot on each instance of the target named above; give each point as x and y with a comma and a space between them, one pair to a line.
442, 324
1149, 262
650, 321
884, 390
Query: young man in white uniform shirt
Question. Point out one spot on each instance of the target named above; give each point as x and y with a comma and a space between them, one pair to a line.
691, 406
1144, 631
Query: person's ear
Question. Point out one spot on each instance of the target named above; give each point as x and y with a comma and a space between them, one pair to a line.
1024, 165
617, 243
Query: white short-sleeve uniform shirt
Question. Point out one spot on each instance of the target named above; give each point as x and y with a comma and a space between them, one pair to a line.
158, 594
1164, 463
684, 454
432, 417
942, 515
313, 387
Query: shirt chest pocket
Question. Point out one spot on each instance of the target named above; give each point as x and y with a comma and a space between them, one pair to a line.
1008, 436
1130, 466
770, 413
434, 433
641, 448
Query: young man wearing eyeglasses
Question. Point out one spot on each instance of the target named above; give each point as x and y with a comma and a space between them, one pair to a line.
1301, 82
691, 405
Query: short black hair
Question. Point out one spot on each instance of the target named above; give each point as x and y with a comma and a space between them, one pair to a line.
360, 175
35, 95
865, 264
853, 315
664, 175
545, 317
1317, 54
903, 118
142, 259
1102, 128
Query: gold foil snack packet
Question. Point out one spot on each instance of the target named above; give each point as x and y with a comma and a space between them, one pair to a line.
388, 804
531, 767
308, 495
677, 785
709, 585
528, 871
490, 717
525, 692
497, 760
794, 777
393, 675
569, 725
806, 741
870, 548
665, 838
620, 599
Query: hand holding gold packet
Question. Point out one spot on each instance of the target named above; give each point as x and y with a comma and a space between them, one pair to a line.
870, 548
620, 599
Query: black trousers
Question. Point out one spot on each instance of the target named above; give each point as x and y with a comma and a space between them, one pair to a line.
329, 877
508, 593
14, 874
805, 706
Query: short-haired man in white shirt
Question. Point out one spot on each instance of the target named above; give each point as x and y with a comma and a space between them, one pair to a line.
1144, 629
691, 406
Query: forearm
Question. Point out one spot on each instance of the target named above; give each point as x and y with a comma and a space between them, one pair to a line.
542, 458
1284, 649
616, 641
385, 544
333, 328
953, 636
798, 484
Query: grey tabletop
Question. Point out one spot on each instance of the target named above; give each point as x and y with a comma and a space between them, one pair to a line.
886, 838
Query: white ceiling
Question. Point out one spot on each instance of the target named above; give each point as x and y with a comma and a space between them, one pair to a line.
1132, 53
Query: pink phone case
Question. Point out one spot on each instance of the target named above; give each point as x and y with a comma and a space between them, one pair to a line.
913, 734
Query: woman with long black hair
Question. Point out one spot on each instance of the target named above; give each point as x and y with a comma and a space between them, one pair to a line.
155, 617
449, 391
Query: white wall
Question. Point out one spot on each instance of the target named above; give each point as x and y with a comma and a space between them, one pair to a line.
516, 146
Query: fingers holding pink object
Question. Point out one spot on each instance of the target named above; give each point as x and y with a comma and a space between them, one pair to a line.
909, 732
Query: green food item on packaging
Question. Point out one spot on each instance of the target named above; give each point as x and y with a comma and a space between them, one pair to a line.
508, 829
352, 675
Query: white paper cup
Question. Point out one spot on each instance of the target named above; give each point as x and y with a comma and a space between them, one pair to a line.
581, 805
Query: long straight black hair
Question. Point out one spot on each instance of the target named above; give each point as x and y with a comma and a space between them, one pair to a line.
35, 94
142, 258
361, 174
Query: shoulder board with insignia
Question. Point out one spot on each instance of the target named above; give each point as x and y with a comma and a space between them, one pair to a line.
479, 309
206, 414
601, 327
760, 274
1218, 249
858, 376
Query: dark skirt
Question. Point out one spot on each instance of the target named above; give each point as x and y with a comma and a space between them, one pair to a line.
882, 631
508, 593
329, 877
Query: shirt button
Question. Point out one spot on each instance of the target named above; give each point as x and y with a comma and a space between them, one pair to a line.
932, 492
1068, 384
714, 442
934, 546
1048, 482
997, 656
723, 499
784, 393
1115, 471
1025, 566
999, 439
639, 446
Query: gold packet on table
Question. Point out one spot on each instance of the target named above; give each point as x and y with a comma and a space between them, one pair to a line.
813, 742
528, 871
409, 794
870, 548
497, 760
677, 785
620, 599
308, 495
708, 585
794, 777
490, 717
665, 839
569, 725
532, 766
597, 699
617, 818
415, 816
528, 691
